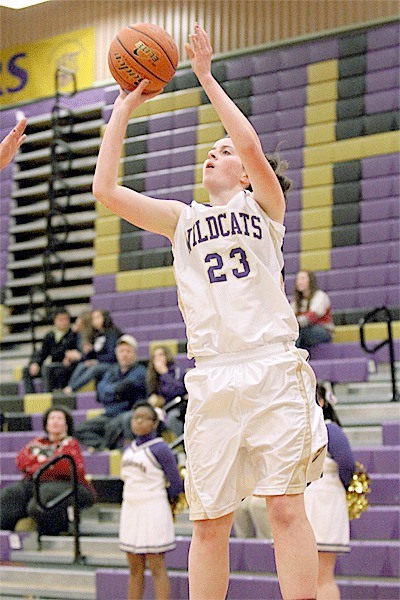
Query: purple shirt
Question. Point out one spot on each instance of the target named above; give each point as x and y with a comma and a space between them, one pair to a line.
170, 385
340, 450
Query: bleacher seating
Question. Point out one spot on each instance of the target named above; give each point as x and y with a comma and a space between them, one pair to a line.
332, 106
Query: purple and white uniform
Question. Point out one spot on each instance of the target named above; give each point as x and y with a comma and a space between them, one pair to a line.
146, 524
252, 425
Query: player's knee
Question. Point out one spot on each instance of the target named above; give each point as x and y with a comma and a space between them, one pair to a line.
283, 512
211, 531
157, 567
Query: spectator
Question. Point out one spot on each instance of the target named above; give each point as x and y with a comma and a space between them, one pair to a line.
312, 308
17, 499
120, 388
94, 367
84, 330
55, 344
150, 476
164, 383
325, 501
12, 142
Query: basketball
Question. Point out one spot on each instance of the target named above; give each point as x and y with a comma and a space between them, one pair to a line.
143, 51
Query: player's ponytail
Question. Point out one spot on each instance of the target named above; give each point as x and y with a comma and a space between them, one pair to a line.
280, 166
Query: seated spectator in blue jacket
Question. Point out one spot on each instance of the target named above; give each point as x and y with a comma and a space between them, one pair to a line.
55, 345
94, 364
119, 389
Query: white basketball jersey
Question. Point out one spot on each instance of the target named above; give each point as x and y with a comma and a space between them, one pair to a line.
141, 473
228, 262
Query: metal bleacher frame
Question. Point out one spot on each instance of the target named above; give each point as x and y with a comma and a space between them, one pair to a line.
52, 233
51, 258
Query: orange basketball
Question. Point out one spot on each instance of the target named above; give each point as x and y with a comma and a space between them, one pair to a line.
143, 51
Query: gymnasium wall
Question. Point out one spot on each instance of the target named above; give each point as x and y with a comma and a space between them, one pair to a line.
331, 102
232, 24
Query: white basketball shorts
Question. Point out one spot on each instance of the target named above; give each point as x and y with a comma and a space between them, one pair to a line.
252, 427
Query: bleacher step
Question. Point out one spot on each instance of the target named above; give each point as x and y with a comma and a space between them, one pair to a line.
364, 436
45, 583
369, 387
368, 413
363, 398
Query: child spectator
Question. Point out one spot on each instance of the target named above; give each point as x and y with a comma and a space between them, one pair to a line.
150, 476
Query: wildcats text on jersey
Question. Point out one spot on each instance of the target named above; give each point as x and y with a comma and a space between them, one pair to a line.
225, 225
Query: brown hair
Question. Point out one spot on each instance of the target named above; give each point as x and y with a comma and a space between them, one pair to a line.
68, 418
279, 167
86, 332
327, 408
313, 287
152, 377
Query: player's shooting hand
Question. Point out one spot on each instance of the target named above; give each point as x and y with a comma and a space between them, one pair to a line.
11, 143
131, 100
199, 51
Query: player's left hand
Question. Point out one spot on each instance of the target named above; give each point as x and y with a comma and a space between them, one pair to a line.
12, 142
199, 51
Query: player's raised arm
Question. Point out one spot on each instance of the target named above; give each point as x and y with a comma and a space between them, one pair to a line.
158, 216
266, 188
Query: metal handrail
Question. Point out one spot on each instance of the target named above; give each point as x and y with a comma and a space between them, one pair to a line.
73, 491
367, 319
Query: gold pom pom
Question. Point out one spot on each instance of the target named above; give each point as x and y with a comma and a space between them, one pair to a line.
180, 503
357, 501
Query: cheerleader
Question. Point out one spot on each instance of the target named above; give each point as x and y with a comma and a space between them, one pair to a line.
325, 500
151, 477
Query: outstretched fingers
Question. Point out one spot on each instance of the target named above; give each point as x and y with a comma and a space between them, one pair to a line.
202, 37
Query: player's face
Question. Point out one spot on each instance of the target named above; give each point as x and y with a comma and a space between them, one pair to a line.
223, 167
142, 422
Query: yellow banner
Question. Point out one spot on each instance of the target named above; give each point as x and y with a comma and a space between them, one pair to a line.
29, 71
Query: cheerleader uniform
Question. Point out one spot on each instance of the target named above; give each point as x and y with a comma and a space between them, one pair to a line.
325, 499
146, 524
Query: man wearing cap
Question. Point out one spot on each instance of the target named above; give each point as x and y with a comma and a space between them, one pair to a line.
120, 388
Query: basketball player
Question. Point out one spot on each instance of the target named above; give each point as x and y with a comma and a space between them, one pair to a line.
252, 425
11, 143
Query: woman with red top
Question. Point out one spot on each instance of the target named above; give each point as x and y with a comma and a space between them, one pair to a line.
17, 499
312, 308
